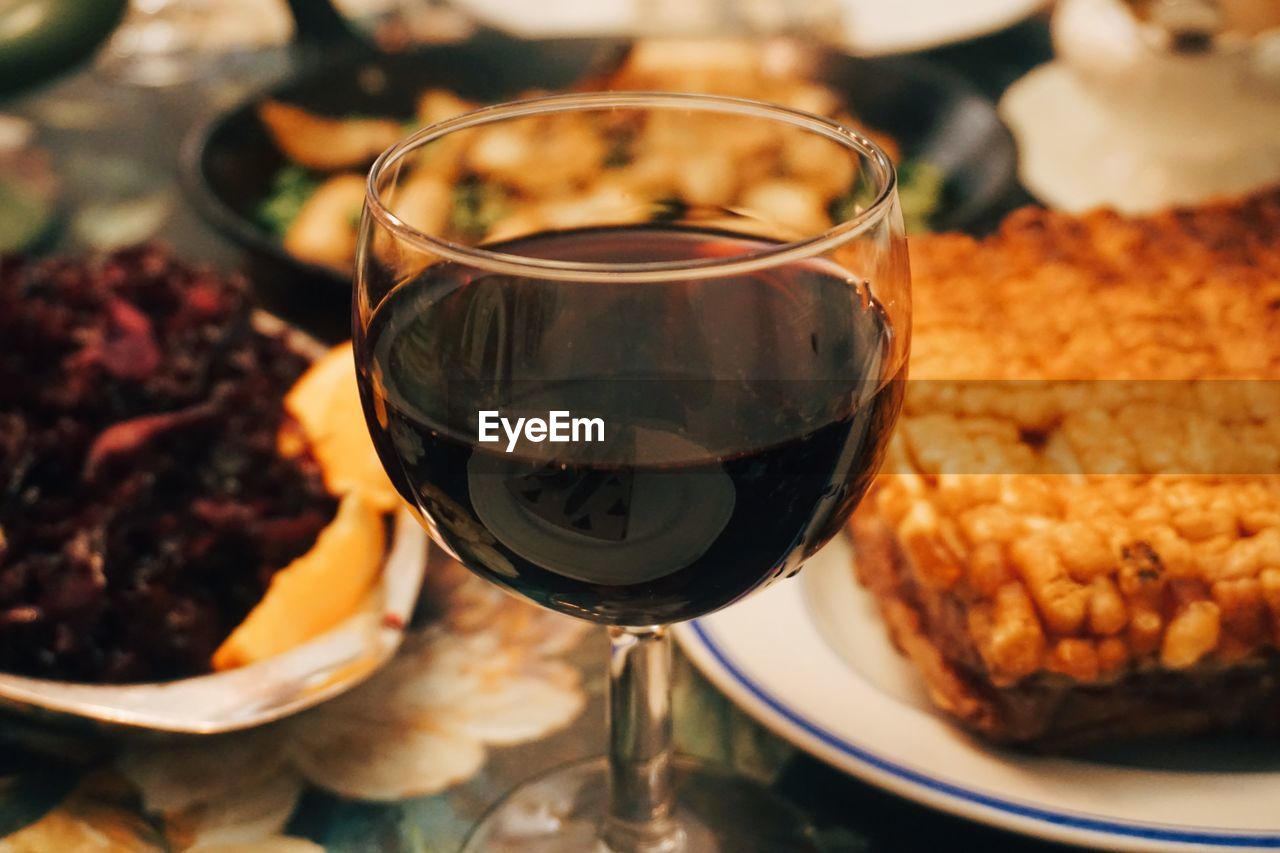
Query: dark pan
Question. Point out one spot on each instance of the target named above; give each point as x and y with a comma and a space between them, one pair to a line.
228, 164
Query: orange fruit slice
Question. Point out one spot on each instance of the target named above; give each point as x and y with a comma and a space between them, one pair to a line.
326, 402
316, 591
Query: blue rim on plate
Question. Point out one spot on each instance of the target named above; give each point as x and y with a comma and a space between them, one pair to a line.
838, 690
1151, 832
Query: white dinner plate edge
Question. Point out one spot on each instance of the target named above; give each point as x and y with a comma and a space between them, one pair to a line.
702, 643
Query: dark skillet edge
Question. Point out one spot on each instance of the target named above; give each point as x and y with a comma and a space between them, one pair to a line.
981, 174
241, 230
974, 203
314, 298
265, 250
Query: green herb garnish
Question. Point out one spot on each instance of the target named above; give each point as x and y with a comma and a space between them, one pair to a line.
619, 153
477, 205
290, 189
669, 209
920, 186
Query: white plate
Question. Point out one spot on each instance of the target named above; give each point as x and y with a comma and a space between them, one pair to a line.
809, 659
1080, 148
871, 27
874, 27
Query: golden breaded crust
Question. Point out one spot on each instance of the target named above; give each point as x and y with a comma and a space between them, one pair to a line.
1084, 514
1180, 295
1048, 711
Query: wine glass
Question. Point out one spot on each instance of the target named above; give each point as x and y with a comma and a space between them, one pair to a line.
633, 356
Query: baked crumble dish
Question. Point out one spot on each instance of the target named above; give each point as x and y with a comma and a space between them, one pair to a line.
145, 505
1077, 534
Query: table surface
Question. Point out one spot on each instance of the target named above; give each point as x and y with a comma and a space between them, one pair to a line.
115, 149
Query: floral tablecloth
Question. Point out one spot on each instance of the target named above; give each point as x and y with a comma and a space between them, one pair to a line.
488, 692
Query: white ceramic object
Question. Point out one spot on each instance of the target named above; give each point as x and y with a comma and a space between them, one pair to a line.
868, 27
809, 658
873, 27
1119, 120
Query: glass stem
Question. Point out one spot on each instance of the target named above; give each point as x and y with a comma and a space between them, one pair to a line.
640, 817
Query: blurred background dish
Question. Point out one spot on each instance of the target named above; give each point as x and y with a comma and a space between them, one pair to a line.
861, 27
1141, 110
873, 27
231, 166
40, 39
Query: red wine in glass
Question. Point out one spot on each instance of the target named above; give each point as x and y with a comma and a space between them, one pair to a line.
727, 425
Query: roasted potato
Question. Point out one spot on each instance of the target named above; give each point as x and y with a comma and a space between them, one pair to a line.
327, 144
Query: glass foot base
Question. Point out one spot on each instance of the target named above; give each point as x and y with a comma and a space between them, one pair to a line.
718, 812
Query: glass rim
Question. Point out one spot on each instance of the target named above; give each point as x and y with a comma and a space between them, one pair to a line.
513, 264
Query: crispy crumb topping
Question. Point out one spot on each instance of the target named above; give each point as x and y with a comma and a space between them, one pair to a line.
1108, 502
